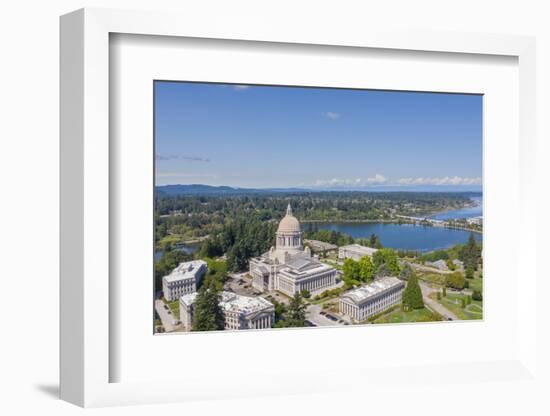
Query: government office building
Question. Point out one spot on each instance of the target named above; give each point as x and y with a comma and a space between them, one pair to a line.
183, 279
372, 299
240, 312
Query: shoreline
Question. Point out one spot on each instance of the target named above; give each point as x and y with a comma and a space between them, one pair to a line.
398, 222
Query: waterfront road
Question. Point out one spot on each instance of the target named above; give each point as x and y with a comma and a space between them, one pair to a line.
433, 304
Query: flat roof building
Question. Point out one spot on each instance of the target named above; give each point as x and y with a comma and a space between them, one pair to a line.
372, 299
355, 251
241, 312
183, 279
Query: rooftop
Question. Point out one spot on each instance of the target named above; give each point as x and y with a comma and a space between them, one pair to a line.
233, 302
378, 286
361, 249
187, 270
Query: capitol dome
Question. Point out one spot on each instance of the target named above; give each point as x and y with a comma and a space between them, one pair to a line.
289, 224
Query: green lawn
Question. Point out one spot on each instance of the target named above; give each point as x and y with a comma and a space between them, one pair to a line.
436, 278
453, 302
398, 316
476, 284
174, 307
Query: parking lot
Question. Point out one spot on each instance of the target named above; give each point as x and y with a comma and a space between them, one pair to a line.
318, 317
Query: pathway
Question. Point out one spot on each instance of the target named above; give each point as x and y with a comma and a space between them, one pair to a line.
433, 304
166, 318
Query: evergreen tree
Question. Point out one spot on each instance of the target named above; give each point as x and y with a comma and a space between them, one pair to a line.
469, 272
406, 272
208, 315
471, 253
296, 314
412, 295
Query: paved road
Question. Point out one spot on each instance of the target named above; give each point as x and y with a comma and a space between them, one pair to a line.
433, 304
165, 317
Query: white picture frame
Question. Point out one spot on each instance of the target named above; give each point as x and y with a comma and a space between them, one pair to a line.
86, 211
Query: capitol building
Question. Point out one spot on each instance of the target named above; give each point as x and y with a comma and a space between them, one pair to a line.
288, 267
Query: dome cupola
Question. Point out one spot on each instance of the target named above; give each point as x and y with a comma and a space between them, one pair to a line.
289, 224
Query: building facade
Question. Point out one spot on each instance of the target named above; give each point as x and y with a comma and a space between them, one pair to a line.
183, 279
288, 267
366, 301
355, 251
240, 312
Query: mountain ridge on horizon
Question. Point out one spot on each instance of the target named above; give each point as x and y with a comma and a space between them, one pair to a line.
196, 189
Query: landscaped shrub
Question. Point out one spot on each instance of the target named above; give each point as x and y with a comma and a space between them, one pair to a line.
477, 295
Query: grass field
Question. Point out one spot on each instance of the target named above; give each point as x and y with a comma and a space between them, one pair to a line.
398, 316
432, 278
453, 302
476, 284
174, 307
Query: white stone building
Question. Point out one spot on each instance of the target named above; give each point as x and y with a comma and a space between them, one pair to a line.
366, 301
183, 279
241, 312
288, 267
355, 251
438, 264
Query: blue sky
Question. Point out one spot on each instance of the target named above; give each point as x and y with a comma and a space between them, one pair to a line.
262, 137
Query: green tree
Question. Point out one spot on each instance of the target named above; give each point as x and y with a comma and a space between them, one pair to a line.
378, 259
388, 257
471, 253
444, 291
383, 271
296, 314
476, 295
366, 269
469, 272
306, 294
412, 295
351, 271
406, 272
455, 280
208, 315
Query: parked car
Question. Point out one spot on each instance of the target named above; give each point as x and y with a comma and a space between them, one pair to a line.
332, 318
323, 313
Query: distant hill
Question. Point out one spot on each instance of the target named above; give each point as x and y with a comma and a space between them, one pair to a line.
194, 189
198, 189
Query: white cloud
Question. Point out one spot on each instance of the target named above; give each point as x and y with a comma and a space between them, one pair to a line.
377, 179
438, 181
241, 87
380, 179
182, 157
356, 182
332, 115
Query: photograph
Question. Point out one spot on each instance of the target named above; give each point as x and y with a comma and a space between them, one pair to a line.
282, 206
